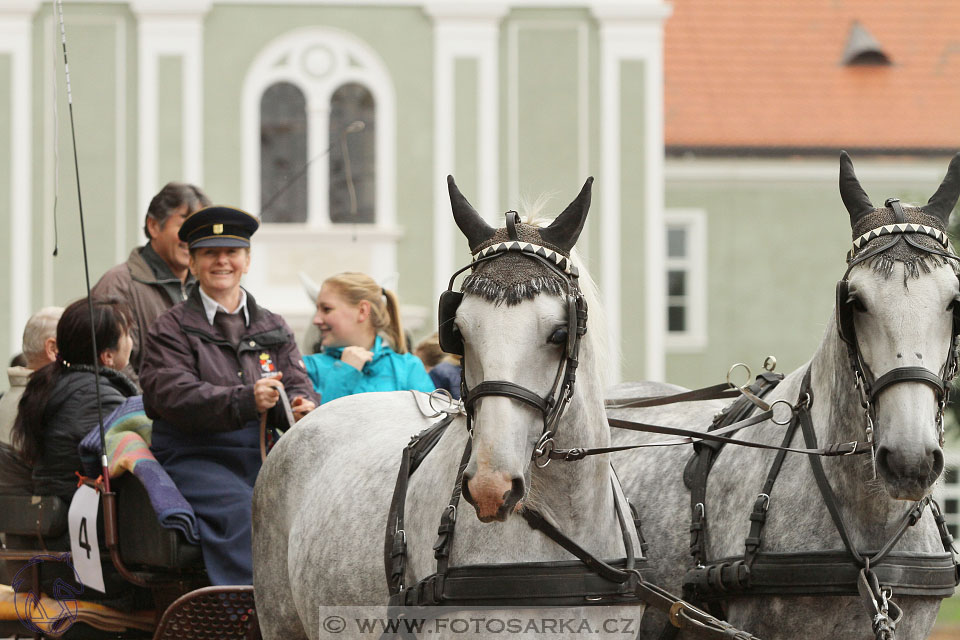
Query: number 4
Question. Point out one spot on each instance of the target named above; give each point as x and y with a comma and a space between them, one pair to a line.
82, 538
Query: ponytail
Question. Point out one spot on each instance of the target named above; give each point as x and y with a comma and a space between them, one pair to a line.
394, 328
384, 316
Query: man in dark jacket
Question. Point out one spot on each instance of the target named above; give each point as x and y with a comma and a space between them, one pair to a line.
156, 276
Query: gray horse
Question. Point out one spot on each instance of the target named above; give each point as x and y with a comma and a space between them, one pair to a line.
322, 498
901, 301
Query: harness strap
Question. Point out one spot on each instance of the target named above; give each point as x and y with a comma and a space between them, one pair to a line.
715, 392
395, 540
830, 498
840, 449
904, 374
820, 573
758, 518
448, 521
509, 389
601, 568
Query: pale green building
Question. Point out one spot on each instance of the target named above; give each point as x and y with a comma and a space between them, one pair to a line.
516, 99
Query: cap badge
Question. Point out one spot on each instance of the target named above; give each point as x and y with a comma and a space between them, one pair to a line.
218, 229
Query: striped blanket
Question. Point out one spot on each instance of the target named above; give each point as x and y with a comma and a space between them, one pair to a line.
127, 433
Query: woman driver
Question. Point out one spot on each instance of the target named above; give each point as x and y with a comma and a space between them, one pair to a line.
211, 366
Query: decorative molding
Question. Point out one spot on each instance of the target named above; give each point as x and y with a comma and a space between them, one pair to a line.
16, 29
172, 9
468, 32
12, 10
633, 31
169, 28
513, 106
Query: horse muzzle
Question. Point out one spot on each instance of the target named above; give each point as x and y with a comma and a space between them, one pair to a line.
909, 474
493, 494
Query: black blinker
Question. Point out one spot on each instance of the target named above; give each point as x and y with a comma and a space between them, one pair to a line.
450, 340
845, 325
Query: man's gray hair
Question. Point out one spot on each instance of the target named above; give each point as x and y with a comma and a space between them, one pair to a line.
40, 326
173, 196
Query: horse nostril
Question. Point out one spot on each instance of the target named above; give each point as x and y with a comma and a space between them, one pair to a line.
464, 489
937, 463
517, 489
882, 461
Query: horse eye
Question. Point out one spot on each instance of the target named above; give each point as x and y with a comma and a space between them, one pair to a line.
953, 304
559, 336
856, 303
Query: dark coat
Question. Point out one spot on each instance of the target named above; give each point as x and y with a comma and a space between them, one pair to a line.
195, 380
198, 388
149, 288
70, 414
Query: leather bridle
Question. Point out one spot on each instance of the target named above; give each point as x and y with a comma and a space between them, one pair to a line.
552, 406
869, 386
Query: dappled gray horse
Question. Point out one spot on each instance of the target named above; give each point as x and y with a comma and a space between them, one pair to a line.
322, 498
877, 378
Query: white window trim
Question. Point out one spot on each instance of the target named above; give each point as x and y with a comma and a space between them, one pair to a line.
695, 223
280, 61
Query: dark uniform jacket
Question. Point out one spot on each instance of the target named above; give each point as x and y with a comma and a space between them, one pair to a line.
198, 388
196, 381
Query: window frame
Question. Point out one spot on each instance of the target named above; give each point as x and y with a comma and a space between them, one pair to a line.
351, 61
694, 264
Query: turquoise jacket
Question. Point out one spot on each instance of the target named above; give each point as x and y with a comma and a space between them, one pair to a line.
388, 371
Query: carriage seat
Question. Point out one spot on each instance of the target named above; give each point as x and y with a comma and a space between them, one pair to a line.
33, 515
144, 544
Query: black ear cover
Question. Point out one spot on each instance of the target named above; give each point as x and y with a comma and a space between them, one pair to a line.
450, 339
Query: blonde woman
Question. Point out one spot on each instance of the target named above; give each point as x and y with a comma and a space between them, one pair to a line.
363, 347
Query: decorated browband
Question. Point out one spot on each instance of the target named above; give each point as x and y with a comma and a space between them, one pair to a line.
899, 228
563, 262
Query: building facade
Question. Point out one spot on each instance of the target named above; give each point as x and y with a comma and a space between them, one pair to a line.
260, 103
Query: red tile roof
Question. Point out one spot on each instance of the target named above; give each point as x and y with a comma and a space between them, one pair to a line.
768, 73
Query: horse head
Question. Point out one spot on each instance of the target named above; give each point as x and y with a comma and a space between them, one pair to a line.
518, 324
895, 311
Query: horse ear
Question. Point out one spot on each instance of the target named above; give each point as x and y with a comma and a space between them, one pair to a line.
855, 199
945, 199
467, 218
564, 231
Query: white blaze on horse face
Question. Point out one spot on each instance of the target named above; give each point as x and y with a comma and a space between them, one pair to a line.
905, 326
511, 344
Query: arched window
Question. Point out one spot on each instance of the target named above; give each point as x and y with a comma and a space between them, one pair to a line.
283, 154
352, 155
